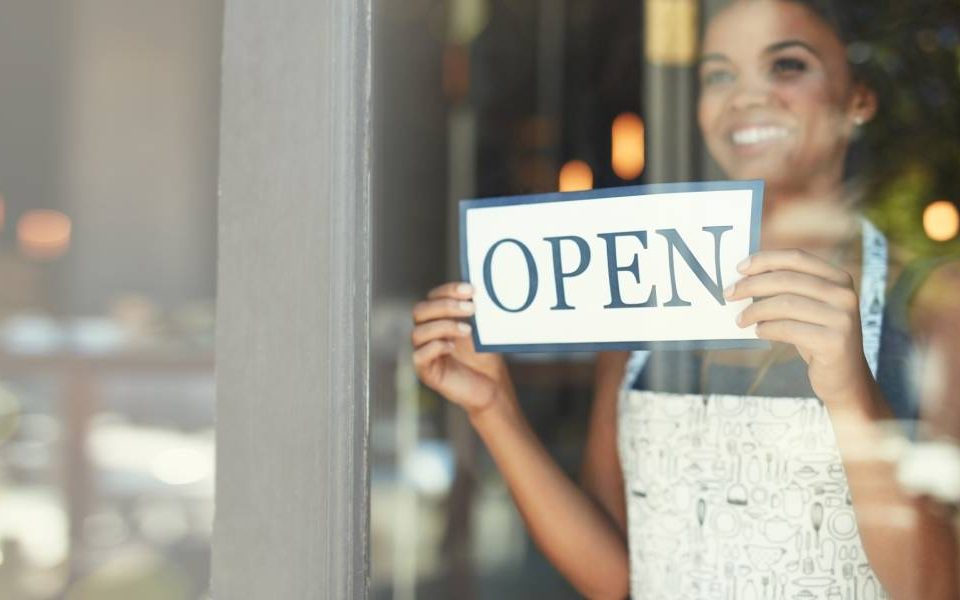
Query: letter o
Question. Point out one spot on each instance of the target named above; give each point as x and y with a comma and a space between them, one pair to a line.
531, 270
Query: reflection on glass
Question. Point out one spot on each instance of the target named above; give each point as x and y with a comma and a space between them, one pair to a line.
824, 467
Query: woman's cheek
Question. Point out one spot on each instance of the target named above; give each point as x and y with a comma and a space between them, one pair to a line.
708, 117
707, 114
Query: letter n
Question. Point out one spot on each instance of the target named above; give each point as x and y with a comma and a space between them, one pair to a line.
676, 244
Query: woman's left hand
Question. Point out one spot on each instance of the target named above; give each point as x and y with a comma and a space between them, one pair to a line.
805, 301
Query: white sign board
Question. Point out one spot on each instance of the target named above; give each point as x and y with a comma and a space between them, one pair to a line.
623, 268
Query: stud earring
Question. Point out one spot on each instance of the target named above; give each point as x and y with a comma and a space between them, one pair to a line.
858, 120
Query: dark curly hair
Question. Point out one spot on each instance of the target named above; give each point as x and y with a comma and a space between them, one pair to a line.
906, 52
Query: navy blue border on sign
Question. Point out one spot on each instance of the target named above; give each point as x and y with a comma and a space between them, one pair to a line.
754, 186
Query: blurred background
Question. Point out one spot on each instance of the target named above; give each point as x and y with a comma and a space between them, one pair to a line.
108, 192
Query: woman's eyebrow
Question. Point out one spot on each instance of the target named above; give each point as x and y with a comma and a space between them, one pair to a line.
789, 44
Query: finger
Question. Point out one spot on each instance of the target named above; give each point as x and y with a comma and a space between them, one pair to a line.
794, 260
791, 307
802, 335
430, 352
435, 330
455, 289
444, 308
796, 283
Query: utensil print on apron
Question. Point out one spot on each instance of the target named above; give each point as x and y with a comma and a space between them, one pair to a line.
771, 515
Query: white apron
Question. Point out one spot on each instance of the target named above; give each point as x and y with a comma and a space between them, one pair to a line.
744, 498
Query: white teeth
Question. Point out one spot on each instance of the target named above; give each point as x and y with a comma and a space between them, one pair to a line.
756, 135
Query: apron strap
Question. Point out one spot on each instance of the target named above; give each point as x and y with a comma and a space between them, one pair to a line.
873, 292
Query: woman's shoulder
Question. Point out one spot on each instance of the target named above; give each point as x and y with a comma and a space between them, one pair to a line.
934, 299
924, 293
921, 311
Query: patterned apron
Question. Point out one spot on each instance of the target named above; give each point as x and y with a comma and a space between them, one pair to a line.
740, 497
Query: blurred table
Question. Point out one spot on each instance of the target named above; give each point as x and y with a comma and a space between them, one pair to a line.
81, 375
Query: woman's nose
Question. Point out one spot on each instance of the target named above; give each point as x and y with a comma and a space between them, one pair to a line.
750, 95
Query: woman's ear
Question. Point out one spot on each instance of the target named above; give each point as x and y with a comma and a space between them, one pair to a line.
863, 104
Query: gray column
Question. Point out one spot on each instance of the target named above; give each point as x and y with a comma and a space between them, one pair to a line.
669, 89
672, 148
293, 301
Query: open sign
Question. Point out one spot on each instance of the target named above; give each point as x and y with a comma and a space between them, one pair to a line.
622, 268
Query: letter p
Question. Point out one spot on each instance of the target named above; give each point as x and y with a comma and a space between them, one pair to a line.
558, 273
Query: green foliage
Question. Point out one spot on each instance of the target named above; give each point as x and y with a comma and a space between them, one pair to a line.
908, 51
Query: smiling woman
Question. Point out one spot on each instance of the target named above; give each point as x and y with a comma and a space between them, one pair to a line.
781, 102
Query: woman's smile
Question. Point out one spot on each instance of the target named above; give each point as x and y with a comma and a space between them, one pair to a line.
750, 138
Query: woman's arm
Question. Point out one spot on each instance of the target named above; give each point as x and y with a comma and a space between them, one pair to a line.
574, 532
935, 322
600, 472
812, 304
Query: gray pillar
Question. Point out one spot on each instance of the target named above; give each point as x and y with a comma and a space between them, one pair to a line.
293, 301
669, 89
669, 99
709, 169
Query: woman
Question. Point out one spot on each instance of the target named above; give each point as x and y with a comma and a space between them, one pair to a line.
732, 473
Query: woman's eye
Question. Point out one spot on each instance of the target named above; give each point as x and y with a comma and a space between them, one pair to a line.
789, 66
715, 77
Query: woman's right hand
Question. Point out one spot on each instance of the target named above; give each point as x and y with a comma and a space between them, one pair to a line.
566, 523
444, 356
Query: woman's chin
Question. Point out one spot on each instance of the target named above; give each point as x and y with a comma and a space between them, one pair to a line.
774, 173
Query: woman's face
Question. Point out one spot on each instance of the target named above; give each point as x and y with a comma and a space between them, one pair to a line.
777, 99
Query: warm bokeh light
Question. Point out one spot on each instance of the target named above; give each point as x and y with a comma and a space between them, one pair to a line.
627, 150
44, 234
576, 176
941, 221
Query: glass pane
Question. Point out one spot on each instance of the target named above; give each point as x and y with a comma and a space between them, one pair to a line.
107, 267
824, 465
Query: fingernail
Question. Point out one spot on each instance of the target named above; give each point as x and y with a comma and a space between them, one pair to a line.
465, 288
728, 293
743, 264
740, 319
464, 327
467, 307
